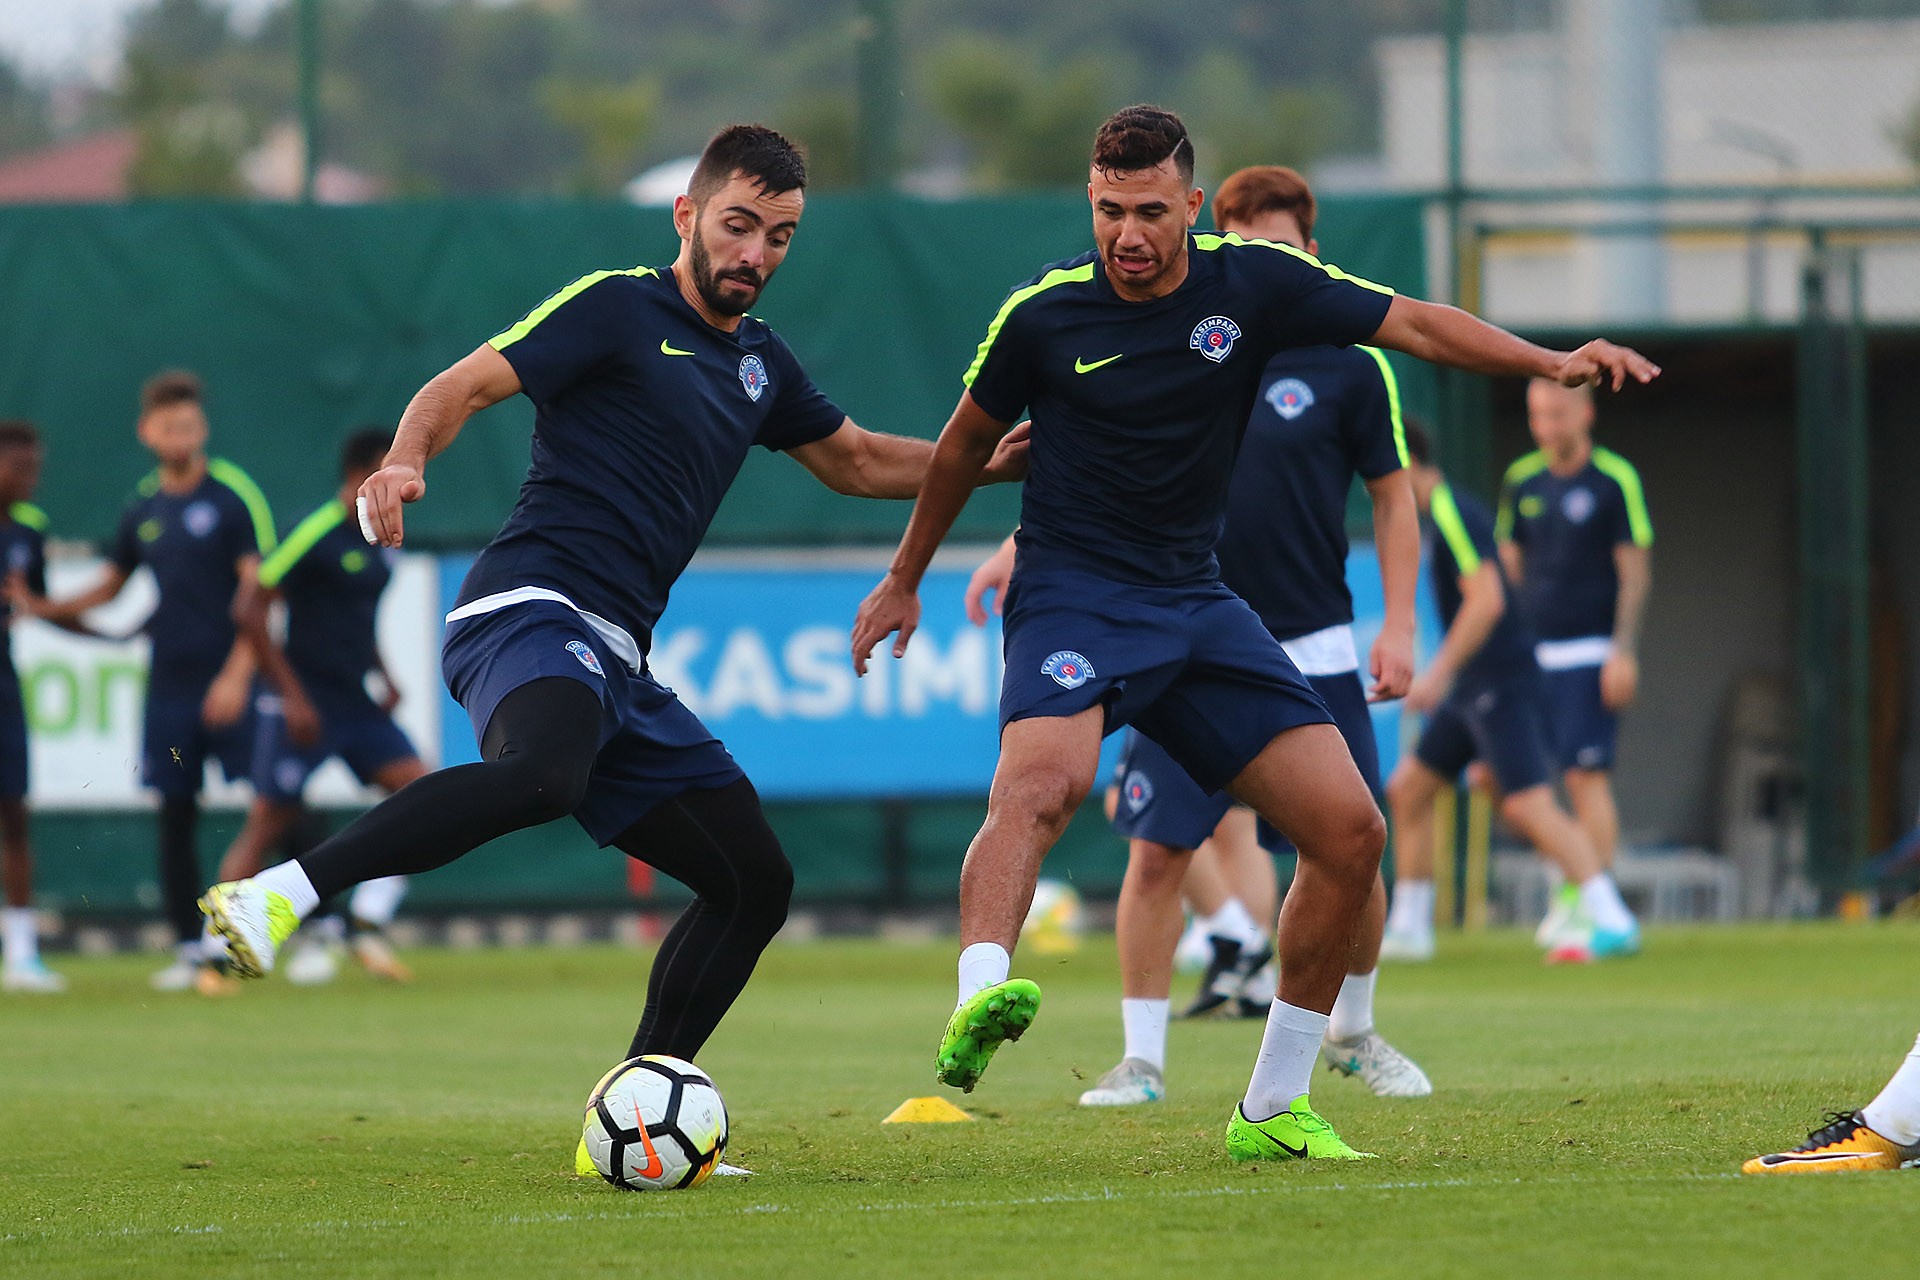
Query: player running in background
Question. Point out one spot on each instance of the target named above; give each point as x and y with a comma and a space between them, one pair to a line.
200, 525
1482, 698
331, 583
23, 529
1577, 544
1139, 362
1324, 416
650, 386
1884, 1134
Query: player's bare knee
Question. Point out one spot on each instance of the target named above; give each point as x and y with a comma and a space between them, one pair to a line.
1349, 845
1155, 867
1044, 796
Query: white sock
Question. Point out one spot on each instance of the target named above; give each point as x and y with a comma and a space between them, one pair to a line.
1412, 907
982, 965
377, 901
212, 947
187, 953
289, 879
1895, 1114
1234, 922
1604, 905
19, 936
1285, 1065
1352, 1015
1145, 1022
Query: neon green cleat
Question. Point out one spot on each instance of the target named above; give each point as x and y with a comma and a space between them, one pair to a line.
1297, 1133
982, 1022
583, 1163
253, 920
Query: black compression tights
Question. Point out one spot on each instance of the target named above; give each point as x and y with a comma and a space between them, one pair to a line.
180, 881
538, 753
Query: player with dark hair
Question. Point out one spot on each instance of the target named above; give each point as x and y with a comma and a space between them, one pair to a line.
1483, 700
23, 552
200, 525
1139, 363
331, 583
650, 386
1577, 543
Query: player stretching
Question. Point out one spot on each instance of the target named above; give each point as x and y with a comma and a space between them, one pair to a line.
1577, 544
200, 525
1482, 698
1884, 1134
1140, 362
23, 529
1325, 415
651, 386
331, 583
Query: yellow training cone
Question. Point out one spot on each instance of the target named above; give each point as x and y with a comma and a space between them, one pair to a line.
926, 1111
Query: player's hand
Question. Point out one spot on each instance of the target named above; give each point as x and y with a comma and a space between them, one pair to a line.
1009, 460
1607, 364
19, 597
1391, 665
1428, 690
993, 575
380, 500
1619, 680
226, 701
892, 606
389, 694
303, 720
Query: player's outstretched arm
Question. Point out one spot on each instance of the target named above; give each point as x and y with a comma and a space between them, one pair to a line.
1396, 539
1482, 601
433, 418
1447, 335
992, 577
868, 464
66, 613
959, 456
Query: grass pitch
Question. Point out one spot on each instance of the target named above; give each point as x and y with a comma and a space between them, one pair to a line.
1586, 1122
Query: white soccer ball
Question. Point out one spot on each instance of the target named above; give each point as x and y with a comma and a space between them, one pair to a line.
655, 1123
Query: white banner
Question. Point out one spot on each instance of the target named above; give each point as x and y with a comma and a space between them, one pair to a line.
84, 696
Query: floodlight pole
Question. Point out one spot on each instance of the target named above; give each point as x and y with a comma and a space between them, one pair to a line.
308, 44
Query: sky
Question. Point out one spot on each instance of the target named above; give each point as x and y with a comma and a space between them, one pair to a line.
57, 39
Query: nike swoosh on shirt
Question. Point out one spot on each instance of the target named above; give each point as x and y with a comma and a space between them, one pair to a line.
667, 350
1083, 366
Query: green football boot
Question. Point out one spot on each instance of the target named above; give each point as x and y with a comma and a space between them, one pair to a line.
1297, 1133
980, 1025
254, 921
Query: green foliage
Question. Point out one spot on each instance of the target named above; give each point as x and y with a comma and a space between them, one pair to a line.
1026, 124
611, 123
1586, 1123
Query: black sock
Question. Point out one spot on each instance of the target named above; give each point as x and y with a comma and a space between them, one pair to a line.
536, 758
180, 882
717, 843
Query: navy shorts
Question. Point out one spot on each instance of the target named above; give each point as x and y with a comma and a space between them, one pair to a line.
13, 746
1503, 724
651, 747
1159, 802
354, 729
1193, 668
1583, 728
176, 746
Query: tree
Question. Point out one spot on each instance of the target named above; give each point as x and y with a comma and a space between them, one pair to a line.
1025, 125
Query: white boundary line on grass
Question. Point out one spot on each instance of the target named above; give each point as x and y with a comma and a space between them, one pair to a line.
1104, 1195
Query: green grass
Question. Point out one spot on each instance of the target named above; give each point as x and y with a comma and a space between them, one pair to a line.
1587, 1122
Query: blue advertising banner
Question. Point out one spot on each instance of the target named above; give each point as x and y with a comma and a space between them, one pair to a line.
759, 651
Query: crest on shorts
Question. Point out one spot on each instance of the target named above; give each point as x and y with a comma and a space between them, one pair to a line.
1068, 669
1138, 791
201, 518
1214, 337
588, 658
1578, 504
753, 376
1290, 398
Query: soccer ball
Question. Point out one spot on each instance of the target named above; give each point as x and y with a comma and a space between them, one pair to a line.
655, 1123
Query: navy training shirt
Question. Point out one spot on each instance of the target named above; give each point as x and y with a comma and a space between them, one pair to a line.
1138, 407
331, 581
644, 415
193, 543
1324, 415
1459, 532
1567, 528
23, 550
